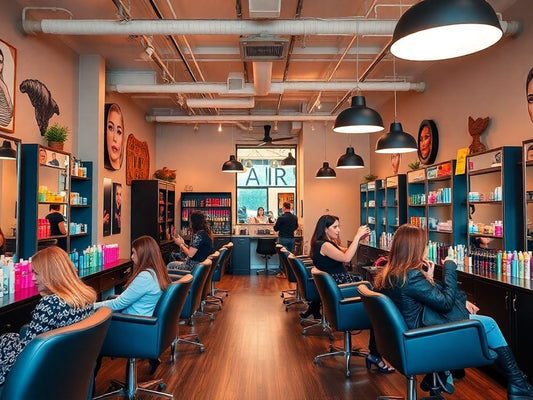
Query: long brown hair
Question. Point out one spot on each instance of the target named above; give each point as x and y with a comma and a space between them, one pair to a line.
407, 252
58, 275
324, 222
149, 257
199, 223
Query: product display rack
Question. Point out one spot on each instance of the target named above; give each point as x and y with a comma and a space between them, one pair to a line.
416, 198
153, 207
446, 204
43, 185
494, 187
527, 172
372, 210
80, 226
395, 202
215, 205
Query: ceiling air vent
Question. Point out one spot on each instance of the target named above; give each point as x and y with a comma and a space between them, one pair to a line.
263, 48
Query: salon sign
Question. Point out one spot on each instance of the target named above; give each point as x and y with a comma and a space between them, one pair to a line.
264, 175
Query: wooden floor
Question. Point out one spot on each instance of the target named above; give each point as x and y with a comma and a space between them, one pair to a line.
254, 349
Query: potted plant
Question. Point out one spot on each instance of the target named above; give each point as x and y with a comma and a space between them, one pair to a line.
56, 135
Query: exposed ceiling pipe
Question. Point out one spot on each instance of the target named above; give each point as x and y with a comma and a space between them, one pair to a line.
241, 102
262, 77
185, 119
221, 27
276, 87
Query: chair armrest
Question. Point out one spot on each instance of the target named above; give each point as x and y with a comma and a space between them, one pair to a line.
350, 300
350, 289
133, 319
444, 328
177, 274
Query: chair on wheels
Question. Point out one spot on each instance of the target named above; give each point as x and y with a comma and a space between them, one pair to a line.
58, 363
211, 297
192, 303
214, 257
295, 298
267, 248
223, 268
308, 292
450, 346
344, 312
136, 336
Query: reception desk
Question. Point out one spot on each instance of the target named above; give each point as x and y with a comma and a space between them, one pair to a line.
245, 260
15, 309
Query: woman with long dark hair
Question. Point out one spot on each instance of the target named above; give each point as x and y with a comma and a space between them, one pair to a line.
201, 245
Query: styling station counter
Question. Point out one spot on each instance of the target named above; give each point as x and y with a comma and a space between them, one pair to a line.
15, 309
245, 260
507, 299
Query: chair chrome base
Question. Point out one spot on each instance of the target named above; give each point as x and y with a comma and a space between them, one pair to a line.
317, 323
347, 352
191, 338
131, 388
267, 271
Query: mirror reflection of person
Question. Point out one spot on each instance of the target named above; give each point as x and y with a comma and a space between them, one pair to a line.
42, 156
260, 218
54, 161
529, 94
57, 225
6, 104
424, 142
3, 243
529, 154
117, 209
114, 137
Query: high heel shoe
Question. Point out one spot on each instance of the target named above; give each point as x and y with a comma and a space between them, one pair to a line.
381, 366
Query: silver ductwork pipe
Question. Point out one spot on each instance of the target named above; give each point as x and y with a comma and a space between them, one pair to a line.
186, 119
243, 102
275, 87
353, 26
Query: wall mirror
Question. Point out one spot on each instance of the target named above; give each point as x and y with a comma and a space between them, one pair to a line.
9, 193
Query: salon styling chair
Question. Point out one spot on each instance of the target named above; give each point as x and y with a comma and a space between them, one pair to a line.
224, 267
294, 298
266, 247
58, 363
135, 336
212, 298
309, 292
344, 312
455, 345
206, 292
192, 304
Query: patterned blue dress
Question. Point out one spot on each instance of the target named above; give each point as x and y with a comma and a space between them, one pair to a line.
50, 313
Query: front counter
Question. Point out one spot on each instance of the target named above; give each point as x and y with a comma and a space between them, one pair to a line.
245, 260
15, 309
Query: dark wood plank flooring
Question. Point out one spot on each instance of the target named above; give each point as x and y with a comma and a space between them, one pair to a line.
254, 349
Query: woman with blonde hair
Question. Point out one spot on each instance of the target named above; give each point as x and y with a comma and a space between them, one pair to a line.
65, 300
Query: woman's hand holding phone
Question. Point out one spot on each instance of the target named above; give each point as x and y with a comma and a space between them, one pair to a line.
429, 269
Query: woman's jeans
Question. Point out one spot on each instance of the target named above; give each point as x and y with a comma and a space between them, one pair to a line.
495, 337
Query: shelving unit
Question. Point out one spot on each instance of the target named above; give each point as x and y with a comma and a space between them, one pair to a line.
416, 198
81, 211
527, 172
446, 204
372, 210
215, 205
37, 175
153, 209
395, 201
494, 185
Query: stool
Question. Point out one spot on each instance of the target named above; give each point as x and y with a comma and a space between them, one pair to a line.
267, 248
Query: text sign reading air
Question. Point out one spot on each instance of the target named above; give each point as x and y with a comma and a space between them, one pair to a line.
266, 176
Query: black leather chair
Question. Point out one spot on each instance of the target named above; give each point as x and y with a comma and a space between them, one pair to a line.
291, 297
308, 292
58, 364
206, 292
266, 247
135, 336
344, 312
192, 303
450, 346
211, 297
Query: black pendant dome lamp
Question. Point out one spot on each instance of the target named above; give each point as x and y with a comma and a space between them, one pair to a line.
325, 172
350, 160
358, 118
442, 29
232, 165
7, 152
288, 161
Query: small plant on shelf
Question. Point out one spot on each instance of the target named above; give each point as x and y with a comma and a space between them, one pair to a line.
369, 177
166, 174
56, 135
414, 165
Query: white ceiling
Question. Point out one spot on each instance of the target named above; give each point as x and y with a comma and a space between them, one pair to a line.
212, 53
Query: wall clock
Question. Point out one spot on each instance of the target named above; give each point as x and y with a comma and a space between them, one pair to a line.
428, 142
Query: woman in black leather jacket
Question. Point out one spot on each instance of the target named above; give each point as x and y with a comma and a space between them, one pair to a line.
407, 279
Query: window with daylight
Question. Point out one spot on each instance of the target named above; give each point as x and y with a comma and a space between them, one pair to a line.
268, 180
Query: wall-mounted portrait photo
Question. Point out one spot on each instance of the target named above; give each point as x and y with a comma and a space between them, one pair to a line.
114, 137
8, 57
117, 208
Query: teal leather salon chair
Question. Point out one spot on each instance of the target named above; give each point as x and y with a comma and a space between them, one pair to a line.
58, 364
136, 336
344, 312
412, 352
